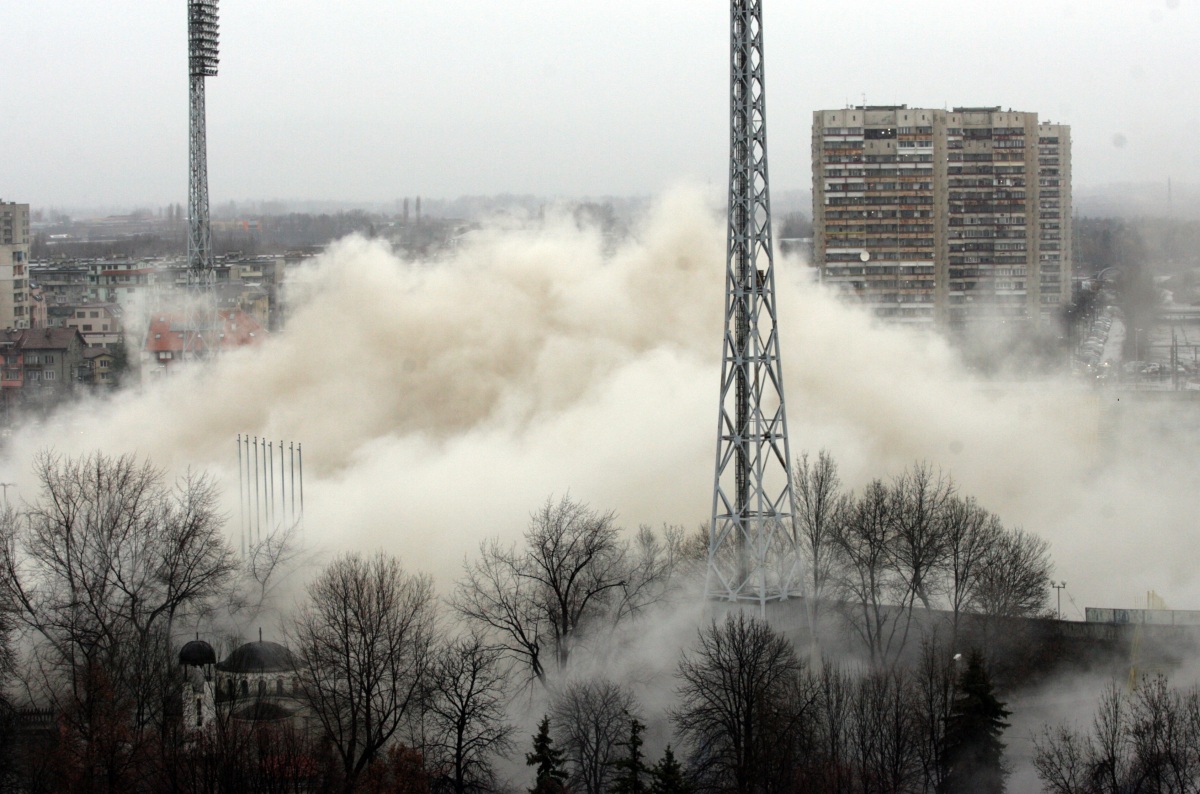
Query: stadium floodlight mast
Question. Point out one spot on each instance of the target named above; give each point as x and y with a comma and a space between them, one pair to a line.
202, 63
753, 554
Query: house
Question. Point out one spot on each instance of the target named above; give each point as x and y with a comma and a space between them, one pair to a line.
100, 367
99, 323
41, 363
174, 337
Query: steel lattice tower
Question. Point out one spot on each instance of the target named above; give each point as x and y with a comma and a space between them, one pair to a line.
202, 63
753, 554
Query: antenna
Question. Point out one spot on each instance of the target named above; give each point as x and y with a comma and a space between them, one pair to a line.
752, 554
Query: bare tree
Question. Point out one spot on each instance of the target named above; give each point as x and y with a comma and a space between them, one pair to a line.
99, 568
820, 505
1061, 760
465, 721
494, 593
833, 729
883, 751
919, 500
650, 566
744, 705
574, 573
1014, 577
363, 649
970, 535
266, 567
866, 579
1146, 741
592, 718
933, 687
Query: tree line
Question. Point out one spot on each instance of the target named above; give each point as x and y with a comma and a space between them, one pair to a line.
113, 565
882, 558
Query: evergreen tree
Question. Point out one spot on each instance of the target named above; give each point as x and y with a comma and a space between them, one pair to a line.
631, 768
667, 776
550, 777
120, 365
973, 754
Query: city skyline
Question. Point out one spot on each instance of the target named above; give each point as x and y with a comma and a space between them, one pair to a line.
370, 101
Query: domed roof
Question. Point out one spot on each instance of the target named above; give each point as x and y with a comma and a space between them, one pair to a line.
258, 657
197, 653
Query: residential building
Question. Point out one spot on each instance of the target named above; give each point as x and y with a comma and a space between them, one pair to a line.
171, 340
100, 324
41, 364
99, 367
62, 282
946, 217
122, 282
14, 263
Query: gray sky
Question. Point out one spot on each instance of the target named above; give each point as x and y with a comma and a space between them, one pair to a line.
377, 99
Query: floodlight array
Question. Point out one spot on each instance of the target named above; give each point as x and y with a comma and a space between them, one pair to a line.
202, 37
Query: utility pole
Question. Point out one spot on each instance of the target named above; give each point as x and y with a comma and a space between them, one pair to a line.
753, 555
1058, 588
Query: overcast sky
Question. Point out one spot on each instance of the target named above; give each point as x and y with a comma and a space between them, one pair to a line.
372, 100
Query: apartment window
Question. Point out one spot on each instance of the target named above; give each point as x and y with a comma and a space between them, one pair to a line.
32, 360
103, 363
87, 327
95, 314
105, 376
49, 374
49, 359
34, 375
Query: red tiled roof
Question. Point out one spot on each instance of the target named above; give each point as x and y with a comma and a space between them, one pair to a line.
167, 332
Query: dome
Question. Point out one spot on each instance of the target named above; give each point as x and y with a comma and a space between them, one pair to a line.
258, 657
197, 653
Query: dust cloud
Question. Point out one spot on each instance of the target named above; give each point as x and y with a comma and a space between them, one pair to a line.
438, 402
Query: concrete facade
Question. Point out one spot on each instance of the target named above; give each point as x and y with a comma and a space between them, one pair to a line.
14, 263
944, 217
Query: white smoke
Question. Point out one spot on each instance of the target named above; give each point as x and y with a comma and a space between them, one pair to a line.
438, 402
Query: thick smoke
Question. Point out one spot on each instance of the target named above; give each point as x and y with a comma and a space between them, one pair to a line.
438, 402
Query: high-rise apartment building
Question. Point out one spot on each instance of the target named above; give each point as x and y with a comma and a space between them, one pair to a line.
14, 265
944, 216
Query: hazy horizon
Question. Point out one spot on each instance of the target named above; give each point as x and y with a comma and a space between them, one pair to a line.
366, 101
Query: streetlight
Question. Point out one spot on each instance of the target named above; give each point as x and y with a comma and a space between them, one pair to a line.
1059, 587
5, 486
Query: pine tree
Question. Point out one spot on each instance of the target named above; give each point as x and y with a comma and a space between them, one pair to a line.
631, 768
667, 776
973, 753
550, 777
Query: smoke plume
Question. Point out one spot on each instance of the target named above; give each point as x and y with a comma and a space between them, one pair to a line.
439, 401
